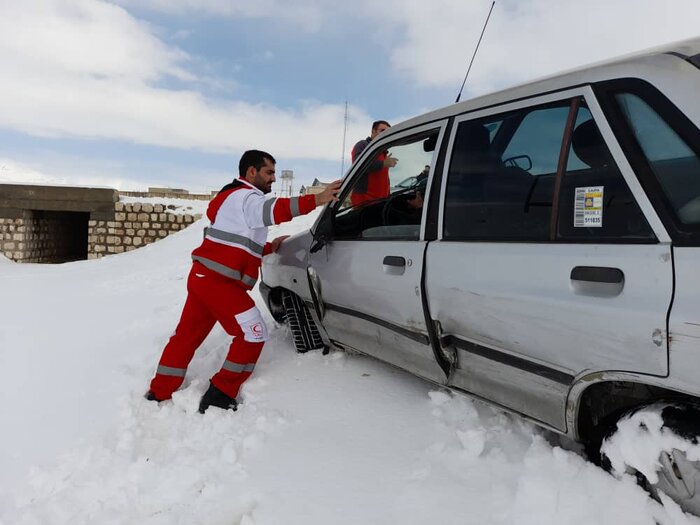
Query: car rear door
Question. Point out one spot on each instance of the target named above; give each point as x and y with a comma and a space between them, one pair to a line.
367, 278
551, 264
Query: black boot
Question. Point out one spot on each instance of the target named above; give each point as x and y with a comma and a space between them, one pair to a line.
215, 397
152, 397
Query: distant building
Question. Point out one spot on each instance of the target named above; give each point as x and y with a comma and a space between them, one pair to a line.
316, 187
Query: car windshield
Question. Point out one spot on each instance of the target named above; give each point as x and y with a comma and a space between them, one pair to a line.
408, 183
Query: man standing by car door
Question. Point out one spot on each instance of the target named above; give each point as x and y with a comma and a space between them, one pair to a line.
375, 185
224, 268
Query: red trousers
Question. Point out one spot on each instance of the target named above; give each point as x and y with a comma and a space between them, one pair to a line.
212, 297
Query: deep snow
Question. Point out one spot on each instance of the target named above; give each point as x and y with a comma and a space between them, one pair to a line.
339, 439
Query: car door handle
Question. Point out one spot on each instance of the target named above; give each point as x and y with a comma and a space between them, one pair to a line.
394, 260
597, 281
394, 265
597, 274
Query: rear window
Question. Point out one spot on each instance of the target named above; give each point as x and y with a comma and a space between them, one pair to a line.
673, 161
502, 186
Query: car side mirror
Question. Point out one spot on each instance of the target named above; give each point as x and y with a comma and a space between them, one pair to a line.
323, 233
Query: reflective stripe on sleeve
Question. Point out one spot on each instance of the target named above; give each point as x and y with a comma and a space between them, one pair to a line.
171, 371
236, 240
267, 212
236, 367
248, 280
294, 206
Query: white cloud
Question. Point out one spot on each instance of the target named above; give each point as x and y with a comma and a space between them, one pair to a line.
82, 68
84, 38
90, 69
52, 168
14, 172
433, 41
18, 172
307, 15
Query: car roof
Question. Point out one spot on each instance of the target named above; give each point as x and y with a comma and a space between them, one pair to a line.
645, 64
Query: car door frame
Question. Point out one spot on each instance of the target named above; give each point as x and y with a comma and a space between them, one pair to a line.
426, 336
573, 388
587, 92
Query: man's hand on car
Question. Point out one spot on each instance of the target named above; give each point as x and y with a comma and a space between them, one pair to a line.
330, 194
276, 242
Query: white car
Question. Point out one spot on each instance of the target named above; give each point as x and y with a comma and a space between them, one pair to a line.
551, 268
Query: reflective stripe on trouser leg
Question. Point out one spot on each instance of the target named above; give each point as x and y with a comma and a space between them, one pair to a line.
235, 310
238, 366
171, 371
243, 352
195, 324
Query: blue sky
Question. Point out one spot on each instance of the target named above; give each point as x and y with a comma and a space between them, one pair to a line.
138, 93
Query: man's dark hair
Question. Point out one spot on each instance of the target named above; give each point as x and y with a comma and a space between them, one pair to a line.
255, 158
378, 122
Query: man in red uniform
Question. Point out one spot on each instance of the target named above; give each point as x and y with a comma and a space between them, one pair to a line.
224, 268
375, 184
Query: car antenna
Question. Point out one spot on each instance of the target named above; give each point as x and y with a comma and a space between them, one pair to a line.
475, 50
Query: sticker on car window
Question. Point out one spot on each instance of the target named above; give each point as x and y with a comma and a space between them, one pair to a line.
588, 207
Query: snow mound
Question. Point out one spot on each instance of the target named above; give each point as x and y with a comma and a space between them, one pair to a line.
318, 439
640, 439
173, 205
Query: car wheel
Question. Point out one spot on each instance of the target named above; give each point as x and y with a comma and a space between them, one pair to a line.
305, 333
658, 444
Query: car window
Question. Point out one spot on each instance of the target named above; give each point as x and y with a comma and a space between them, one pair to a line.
385, 197
538, 138
674, 163
595, 202
500, 185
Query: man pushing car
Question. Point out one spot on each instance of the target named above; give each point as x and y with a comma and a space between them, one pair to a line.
224, 268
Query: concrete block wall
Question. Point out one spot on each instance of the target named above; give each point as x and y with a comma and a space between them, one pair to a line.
54, 224
13, 233
134, 225
43, 236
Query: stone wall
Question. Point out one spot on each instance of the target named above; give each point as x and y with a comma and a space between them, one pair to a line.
134, 225
13, 234
37, 236
54, 224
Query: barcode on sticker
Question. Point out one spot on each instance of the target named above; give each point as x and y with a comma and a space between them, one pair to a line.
579, 203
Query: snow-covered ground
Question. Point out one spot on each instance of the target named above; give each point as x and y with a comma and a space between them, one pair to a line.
334, 439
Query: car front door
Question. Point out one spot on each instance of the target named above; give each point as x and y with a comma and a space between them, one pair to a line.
367, 278
551, 263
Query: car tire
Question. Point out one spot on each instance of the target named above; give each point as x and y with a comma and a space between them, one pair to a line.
677, 476
305, 333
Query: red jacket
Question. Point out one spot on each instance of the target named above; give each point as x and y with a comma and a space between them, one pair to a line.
235, 242
375, 183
